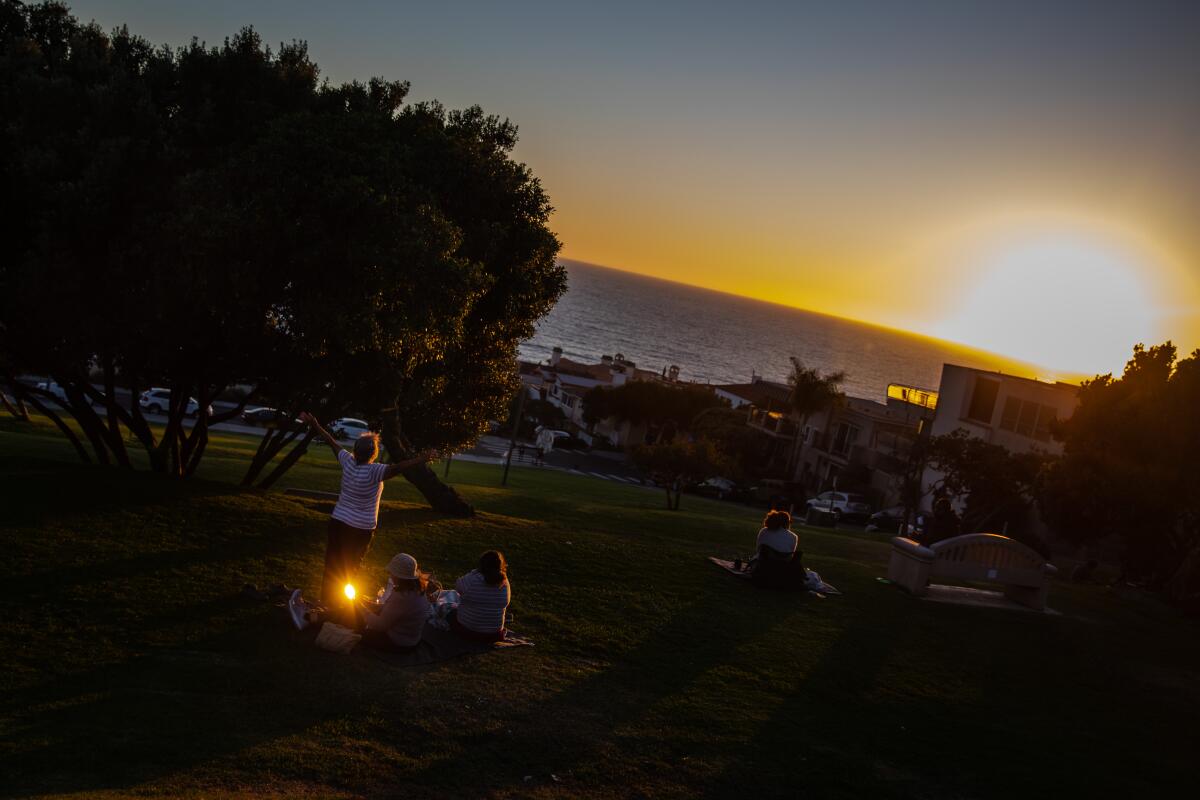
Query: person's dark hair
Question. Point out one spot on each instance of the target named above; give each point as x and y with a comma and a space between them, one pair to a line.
417, 584
493, 567
776, 520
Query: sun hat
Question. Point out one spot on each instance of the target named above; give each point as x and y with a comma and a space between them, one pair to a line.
403, 566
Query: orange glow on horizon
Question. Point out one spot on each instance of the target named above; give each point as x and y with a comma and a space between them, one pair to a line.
1065, 294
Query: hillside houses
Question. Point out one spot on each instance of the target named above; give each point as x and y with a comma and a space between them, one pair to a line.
563, 382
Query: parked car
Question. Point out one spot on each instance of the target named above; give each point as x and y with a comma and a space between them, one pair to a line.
348, 428
719, 488
888, 519
267, 416
60, 394
157, 401
842, 504
548, 439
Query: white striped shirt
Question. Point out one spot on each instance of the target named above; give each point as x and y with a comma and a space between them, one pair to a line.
483, 605
362, 486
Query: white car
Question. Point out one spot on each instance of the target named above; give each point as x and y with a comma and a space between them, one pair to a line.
60, 394
348, 428
157, 401
842, 504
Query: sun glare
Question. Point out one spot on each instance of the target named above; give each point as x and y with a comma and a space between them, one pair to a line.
1068, 302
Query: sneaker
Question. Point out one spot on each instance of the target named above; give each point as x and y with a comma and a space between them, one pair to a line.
298, 608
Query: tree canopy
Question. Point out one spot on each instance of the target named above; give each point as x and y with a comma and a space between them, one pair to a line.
200, 217
652, 402
674, 464
1128, 472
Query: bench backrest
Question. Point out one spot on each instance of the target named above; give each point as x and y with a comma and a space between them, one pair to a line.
987, 557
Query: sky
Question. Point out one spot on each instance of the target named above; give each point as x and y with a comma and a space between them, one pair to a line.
1020, 176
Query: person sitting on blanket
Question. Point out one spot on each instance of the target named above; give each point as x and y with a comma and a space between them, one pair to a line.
778, 564
775, 540
485, 594
395, 625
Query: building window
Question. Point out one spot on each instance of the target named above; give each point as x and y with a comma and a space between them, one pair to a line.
845, 437
983, 400
1027, 418
1046, 416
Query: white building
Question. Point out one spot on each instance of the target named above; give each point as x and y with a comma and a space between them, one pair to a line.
1008, 410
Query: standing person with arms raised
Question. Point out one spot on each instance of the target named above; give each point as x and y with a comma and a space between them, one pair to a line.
355, 516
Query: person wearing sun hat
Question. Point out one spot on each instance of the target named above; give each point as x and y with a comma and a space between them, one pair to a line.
397, 625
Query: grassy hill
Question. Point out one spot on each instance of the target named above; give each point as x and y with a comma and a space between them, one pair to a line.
130, 665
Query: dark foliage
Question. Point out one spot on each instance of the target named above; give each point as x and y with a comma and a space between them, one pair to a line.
201, 217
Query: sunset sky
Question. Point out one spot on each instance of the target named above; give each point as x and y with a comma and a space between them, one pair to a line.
1018, 176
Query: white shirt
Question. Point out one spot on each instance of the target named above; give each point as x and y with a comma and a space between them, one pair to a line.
362, 486
781, 540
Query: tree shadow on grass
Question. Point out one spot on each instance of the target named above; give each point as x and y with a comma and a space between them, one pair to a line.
819, 728
171, 710
50, 489
569, 730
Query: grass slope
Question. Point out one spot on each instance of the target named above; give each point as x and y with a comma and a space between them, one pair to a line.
131, 667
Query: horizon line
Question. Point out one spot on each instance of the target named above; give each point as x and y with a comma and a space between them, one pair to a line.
1013, 360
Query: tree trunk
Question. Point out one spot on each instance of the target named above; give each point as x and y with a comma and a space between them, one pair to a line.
272, 442
440, 496
288, 461
1186, 580
11, 410
57, 420
104, 439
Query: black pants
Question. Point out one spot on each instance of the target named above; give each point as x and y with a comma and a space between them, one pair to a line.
344, 553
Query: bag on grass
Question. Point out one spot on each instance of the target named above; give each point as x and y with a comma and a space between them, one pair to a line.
337, 638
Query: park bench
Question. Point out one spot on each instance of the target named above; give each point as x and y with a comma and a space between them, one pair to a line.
985, 557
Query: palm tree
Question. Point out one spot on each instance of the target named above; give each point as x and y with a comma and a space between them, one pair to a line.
811, 394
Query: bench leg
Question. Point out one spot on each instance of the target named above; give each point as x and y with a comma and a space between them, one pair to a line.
1031, 596
911, 574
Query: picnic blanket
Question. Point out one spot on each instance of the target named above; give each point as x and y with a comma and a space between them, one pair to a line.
439, 645
816, 585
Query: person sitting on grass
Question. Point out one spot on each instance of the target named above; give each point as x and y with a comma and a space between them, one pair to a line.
484, 595
775, 540
778, 564
355, 516
395, 625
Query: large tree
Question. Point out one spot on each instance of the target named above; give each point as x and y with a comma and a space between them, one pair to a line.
1128, 468
997, 487
670, 408
673, 465
208, 216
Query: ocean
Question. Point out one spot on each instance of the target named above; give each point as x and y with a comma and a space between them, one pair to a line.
721, 338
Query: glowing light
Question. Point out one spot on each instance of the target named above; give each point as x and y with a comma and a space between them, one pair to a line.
1065, 301
349, 590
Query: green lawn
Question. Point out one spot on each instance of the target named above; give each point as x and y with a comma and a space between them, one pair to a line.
130, 666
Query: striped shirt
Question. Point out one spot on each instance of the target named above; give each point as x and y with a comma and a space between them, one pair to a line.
362, 486
483, 605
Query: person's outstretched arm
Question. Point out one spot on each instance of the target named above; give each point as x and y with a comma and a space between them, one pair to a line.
397, 467
311, 421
